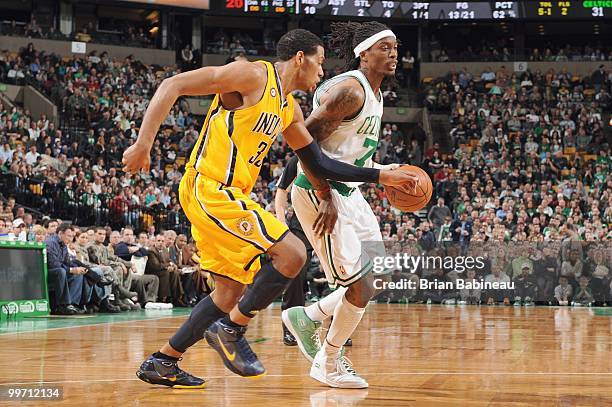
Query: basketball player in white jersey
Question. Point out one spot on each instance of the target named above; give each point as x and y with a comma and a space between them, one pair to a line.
346, 123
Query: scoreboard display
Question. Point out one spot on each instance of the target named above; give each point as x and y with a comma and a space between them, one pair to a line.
421, 10
567, 9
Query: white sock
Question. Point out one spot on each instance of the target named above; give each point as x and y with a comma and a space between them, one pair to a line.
324, 308
346, 319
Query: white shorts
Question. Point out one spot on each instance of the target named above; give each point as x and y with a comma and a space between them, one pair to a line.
340, 253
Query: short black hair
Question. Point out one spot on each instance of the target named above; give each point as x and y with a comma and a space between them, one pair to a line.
297, 40
64, 227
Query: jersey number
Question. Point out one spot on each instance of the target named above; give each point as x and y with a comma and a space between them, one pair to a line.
256, 159
371, 144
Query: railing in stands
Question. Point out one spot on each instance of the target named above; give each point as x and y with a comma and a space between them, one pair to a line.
89, 209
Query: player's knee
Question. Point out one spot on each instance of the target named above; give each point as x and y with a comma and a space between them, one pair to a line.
360, 293
226, 294
289, 256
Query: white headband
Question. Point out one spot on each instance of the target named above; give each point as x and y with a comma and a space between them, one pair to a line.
367, 43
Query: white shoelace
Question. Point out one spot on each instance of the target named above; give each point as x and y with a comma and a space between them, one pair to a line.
316, 337
346, 365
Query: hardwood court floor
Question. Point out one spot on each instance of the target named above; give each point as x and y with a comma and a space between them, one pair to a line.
410, 354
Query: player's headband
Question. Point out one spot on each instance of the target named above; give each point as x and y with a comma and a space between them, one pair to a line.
367, 43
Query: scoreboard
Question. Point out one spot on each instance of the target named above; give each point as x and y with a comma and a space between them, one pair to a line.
568, 9
421, 10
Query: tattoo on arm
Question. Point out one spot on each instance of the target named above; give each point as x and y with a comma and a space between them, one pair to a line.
340, 104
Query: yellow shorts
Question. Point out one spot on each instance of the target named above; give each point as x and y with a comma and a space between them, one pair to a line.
230, 229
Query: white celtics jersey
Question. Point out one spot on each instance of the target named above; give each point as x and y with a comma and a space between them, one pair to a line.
355, 141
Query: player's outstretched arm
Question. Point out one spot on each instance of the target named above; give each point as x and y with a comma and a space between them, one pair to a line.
321, 166
242, 77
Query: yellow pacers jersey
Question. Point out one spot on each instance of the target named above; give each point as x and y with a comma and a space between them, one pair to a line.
231, 230
233, 143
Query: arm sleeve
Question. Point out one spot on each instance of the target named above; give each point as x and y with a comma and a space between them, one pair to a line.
324, 167
289, 173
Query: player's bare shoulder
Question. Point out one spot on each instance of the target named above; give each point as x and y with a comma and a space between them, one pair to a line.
344, 99
250, 78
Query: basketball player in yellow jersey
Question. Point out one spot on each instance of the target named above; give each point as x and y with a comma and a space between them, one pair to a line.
252, 106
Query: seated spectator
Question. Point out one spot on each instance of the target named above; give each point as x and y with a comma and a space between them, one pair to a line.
122, 270
125, 247
563, 292
525, 290
437, 294
181, 254
572, 267
470, 295
584, 294
158, 264
390, 96
494, 296
65, 277
104, 275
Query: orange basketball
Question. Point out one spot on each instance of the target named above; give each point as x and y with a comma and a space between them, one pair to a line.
404, 197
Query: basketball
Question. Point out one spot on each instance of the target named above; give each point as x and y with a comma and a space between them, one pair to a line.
404, 197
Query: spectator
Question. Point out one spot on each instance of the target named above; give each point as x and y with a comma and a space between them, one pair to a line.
187, 58
470, 295
497, 295
584, 295
158, 264
122, 270
65, 278
525, 287
563, 292
103, 277
437, 214
407, 68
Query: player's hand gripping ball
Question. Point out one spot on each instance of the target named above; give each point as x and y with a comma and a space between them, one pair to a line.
408, 199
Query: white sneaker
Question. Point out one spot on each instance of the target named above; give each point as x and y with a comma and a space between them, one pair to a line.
336, 371
166, 305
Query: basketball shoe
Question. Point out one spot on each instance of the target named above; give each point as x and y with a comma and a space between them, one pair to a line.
234, 349
305, 330
167, 373
336, 371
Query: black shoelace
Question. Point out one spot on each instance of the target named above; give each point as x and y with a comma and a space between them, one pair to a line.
245, 349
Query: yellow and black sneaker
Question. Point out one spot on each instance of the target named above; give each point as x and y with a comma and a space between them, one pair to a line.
234, 349
167, 373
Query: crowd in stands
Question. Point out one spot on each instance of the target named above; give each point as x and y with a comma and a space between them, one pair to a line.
241, 42
76, 166
530, 163
494, 51
98, 269
114, 32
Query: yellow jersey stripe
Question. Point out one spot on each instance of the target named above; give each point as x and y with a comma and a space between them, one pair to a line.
234, 151
218, 222
206, 130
